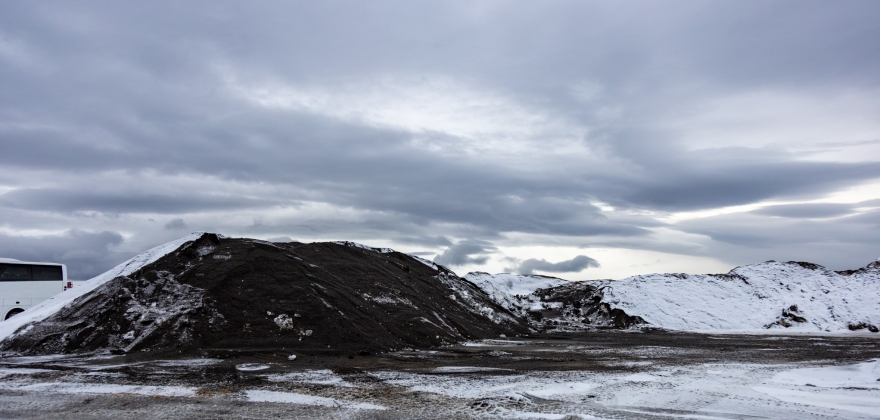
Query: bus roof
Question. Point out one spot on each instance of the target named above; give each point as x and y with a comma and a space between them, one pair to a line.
14, 261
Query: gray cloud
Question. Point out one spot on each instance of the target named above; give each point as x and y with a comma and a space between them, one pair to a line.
843, 243
176, 224
466, 252
86, 254
576, 264
586, 103
69, 200
424, 240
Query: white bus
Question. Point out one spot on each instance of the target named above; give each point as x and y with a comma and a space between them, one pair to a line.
25, 284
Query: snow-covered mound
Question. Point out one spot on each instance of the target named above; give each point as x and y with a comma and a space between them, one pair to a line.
507, 289
53, 305
800, 296
796, 296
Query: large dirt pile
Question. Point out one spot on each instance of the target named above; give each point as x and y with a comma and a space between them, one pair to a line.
218, 294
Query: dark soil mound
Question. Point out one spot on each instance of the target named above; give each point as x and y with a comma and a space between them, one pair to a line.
218, 295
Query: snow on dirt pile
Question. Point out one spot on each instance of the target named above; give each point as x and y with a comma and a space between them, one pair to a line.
54, 304
795, 296
220, 295
123, 314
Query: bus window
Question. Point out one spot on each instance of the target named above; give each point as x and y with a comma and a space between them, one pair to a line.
47, 272
15, 272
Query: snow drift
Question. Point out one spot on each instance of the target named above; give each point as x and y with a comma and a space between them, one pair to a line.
795, 296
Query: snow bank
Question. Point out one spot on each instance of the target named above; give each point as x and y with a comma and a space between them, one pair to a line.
791, 296
55, 303
800, 296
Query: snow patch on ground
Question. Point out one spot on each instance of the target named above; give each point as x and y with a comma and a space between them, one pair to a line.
55, 303
250, 367
849, 388
859, 404
466, 369
313, 377
564, 388
863, 375
4, 372
295, 398
488, 385
87, 388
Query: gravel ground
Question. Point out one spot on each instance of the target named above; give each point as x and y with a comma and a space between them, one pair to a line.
619, 375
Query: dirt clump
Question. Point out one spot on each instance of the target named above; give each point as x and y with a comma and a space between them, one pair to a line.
220, 295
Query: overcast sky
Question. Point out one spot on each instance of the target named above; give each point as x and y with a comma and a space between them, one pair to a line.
577, 139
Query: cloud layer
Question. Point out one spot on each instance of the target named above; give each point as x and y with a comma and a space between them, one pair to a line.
729, 132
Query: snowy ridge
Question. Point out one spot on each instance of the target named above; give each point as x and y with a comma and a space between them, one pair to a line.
54, 304
801, 296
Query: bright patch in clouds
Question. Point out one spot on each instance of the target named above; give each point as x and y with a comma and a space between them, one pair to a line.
446, 115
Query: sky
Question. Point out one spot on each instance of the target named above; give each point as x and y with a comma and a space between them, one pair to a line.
578, 139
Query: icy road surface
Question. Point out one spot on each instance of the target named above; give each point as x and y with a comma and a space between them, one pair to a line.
603, 375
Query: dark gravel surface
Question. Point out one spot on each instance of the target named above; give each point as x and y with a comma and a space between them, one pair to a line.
222, 386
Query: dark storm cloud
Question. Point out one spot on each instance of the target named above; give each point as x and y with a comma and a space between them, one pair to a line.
97, 89
86, 254
576, 264
466, 252
175, 224
64, 201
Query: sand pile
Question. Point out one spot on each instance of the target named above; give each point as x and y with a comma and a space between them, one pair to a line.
217, 294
